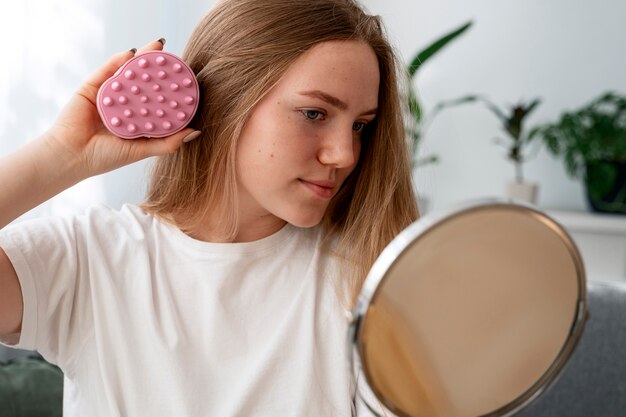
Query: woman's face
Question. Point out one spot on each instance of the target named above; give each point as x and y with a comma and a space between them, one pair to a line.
303, 138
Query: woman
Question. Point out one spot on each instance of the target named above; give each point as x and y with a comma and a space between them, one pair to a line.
225, 292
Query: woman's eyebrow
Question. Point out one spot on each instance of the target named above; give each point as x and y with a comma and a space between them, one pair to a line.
333, 101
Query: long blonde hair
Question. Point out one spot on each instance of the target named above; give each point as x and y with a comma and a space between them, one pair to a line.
238, 52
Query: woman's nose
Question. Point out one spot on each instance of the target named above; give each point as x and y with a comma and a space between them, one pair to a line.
340, 148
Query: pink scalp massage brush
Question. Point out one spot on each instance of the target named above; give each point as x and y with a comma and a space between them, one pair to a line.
155, 94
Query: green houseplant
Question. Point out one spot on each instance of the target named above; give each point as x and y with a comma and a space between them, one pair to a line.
416, 131
592, 143
512, 119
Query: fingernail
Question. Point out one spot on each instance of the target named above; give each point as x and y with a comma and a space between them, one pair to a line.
162, 40
133, 50
193, 135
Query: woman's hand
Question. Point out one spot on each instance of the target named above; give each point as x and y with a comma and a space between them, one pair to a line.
80, 138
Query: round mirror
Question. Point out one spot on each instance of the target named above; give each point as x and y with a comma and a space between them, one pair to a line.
471, 312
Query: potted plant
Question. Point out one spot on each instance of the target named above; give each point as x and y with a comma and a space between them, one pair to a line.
519, 139
592, 143
416, 130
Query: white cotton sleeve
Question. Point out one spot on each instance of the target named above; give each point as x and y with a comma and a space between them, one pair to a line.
50, 264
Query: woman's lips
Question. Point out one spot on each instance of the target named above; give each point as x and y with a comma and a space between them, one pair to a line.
322, 189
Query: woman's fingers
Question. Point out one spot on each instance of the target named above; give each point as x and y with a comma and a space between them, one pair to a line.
161, 146
112, 67
153, 46
108, 69
171, 143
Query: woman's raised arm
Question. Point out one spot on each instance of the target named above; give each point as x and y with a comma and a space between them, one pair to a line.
76, 147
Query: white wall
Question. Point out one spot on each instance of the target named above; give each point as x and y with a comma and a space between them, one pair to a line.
566, 52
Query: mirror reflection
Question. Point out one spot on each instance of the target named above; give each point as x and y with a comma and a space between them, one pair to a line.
472, 314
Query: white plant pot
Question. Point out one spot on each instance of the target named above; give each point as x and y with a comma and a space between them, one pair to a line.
522, 191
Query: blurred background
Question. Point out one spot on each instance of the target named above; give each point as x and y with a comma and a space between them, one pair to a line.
564, 52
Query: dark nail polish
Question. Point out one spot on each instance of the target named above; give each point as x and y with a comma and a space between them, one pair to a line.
133, 50
162, 40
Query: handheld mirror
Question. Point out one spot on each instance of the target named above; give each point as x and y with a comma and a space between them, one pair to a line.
470, 312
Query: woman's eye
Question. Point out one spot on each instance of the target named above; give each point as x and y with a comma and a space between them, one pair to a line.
313, 114
358, 126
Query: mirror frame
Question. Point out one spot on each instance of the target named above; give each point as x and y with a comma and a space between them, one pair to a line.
405, 239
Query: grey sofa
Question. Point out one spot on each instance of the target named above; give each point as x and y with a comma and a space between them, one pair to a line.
593, 383
30, 387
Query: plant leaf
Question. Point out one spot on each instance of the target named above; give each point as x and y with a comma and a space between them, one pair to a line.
423, 56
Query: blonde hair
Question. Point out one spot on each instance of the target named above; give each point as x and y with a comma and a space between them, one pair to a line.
238, 52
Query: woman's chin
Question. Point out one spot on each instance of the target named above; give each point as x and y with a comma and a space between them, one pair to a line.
305, 221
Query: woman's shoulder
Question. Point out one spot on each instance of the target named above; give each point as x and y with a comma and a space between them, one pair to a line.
91, 221
99, 222
102, 214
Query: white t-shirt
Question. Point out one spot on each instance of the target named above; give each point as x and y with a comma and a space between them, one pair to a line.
146, 321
